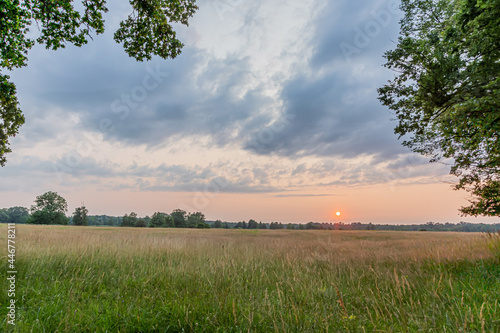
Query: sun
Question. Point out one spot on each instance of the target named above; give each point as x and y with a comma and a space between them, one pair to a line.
337, 213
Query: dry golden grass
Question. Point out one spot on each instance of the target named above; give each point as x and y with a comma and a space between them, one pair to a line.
330, 246
88, 279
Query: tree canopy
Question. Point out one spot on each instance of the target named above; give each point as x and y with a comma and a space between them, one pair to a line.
49, 208
158, 220
129, 220
146, 32
80, 215
51, 202
14, 215
446, 95
195, 220
179, 217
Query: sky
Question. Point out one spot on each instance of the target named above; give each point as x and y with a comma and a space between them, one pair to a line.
270, 113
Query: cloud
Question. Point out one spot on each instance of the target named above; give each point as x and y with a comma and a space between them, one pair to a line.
221, 177
349, 31
330, 107
331, 116
333, 103
279, 90
149, 104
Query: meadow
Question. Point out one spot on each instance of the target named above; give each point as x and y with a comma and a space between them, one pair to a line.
97, 279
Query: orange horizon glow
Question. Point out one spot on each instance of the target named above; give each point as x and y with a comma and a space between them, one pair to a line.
379, 204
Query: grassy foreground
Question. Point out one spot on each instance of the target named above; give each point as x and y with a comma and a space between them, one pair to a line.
78, 279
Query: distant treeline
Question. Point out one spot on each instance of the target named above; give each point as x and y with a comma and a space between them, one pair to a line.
181, 219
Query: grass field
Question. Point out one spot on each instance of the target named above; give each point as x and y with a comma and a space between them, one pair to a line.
89, 279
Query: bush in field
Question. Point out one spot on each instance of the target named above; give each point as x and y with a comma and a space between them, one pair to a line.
140, 223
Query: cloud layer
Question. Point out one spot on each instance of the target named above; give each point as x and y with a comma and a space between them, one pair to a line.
266, 97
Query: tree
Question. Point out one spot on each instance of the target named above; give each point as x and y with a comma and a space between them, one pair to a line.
290, 226
240, 225
4, 216
158, 220
44, 217
18, 214
50, 201
276, 225
129, 220
195, 219
14, 215
169, 222
179, 217
446, 95
80, 215
218, 224
313, 226
49, 208
252, 224
147, 31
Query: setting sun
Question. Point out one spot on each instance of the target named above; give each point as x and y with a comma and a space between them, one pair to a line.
337, 213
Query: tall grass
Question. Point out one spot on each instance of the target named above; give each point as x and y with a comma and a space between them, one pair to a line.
493, 241
77, 279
